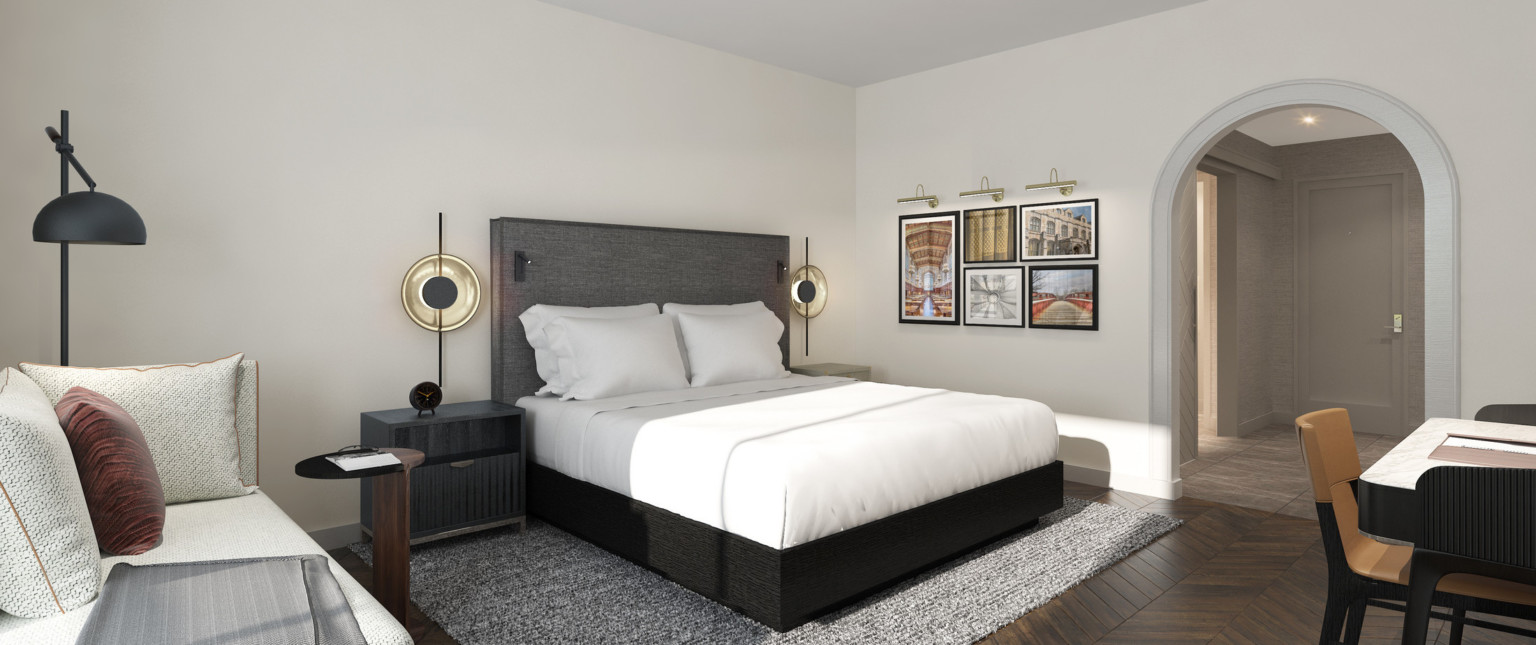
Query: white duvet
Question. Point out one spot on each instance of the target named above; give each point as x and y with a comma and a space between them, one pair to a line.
797, 461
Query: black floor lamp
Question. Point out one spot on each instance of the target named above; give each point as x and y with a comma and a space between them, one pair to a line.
80, 218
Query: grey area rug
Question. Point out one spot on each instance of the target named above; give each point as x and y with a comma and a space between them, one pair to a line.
547, 586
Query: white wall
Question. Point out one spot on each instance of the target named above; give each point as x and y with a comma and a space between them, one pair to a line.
289, 159
1107, 106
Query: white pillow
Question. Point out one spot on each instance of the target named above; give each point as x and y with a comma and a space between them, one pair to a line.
536, 317
606, 357
716, 310
187, 413
47, 546
672, 309
731, 349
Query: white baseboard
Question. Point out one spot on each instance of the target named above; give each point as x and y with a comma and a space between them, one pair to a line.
1277, 417
337, 536
1128, 483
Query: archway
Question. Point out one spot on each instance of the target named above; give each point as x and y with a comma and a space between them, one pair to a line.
1442, 369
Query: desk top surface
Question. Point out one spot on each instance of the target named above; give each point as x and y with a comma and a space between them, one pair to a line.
1402, 466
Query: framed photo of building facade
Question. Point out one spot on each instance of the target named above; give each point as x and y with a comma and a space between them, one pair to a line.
1064, 297
994, 296
1060, 230
991, 235
929, 269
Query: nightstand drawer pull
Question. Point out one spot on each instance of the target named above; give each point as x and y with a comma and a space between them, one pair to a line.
462, 464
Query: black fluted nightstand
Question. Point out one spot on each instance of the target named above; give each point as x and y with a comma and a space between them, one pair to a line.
474, 476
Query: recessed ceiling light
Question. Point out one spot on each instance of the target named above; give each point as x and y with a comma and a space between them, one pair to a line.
1309, 120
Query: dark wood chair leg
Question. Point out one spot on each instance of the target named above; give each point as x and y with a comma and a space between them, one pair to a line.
1356, 622
1459, 615
1425, 575
1334, 614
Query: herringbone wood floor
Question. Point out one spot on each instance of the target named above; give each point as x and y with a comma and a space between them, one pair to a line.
1229, 575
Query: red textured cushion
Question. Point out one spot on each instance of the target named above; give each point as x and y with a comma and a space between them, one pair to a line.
122, 488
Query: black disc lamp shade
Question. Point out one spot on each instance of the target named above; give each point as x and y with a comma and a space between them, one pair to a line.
85, 217
88, 218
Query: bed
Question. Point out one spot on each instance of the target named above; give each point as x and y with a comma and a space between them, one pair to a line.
783, 499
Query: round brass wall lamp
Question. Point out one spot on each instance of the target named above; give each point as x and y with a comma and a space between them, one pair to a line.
441, 292
808, 291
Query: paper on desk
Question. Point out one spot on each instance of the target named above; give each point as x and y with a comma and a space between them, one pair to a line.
1489, 444
362, 461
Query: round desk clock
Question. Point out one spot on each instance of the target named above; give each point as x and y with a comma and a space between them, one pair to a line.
426, 396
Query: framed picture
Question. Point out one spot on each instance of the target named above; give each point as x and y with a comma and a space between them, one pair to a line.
994, 296
1060, 230
928, 269
1064, 297
991, 235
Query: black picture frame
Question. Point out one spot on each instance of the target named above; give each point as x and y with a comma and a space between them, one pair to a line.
902, 258
1049, 226
986, 230
970, 296
1074, 295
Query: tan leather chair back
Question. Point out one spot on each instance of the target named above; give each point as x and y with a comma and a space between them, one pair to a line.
1328, 444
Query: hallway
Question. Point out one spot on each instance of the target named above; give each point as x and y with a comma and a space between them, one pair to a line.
1264, 471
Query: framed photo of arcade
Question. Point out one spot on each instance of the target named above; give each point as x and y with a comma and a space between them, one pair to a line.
929, 269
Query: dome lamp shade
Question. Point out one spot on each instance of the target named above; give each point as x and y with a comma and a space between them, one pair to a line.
88, 218
85, 217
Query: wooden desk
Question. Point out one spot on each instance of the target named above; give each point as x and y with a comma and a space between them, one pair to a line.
1389, 507
392, 524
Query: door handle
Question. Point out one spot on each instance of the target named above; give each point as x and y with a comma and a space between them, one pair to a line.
1397, 324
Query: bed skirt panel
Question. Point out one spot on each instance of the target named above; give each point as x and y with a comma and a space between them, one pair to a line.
787, 588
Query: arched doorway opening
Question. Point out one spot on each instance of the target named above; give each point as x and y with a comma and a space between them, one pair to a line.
1172, 307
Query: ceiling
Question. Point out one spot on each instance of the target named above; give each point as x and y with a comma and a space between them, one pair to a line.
858, 42
1287, 127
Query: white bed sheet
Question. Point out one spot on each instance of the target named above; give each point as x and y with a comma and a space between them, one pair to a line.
787, 461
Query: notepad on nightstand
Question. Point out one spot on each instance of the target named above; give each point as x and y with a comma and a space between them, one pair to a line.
362, 460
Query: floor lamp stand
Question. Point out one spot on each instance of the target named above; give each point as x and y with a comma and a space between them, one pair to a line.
62, 145
64, 303
87, 217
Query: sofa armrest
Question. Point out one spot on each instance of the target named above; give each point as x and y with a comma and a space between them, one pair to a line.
248, 420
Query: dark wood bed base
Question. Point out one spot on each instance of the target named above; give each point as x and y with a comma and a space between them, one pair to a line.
784, 589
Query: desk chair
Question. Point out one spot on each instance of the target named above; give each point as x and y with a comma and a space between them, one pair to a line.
1363, 571
1517, 413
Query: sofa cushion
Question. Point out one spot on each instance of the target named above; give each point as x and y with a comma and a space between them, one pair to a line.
121, 487
237, 527
48, 558
186, 412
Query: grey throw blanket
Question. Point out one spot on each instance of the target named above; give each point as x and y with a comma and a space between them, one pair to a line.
268, 601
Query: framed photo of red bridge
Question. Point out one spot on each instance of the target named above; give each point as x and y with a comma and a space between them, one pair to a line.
929, 269
1064, 297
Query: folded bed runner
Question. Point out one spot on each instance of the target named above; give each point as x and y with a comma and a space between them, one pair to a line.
265, 601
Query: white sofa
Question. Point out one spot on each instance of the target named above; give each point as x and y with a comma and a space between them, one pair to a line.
237, 527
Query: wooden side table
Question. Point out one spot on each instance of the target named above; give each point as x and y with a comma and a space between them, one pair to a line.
860, 372
392, 523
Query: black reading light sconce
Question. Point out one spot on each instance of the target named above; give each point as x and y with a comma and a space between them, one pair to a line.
80, 218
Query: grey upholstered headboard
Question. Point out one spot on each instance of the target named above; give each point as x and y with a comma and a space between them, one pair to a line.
599, 265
